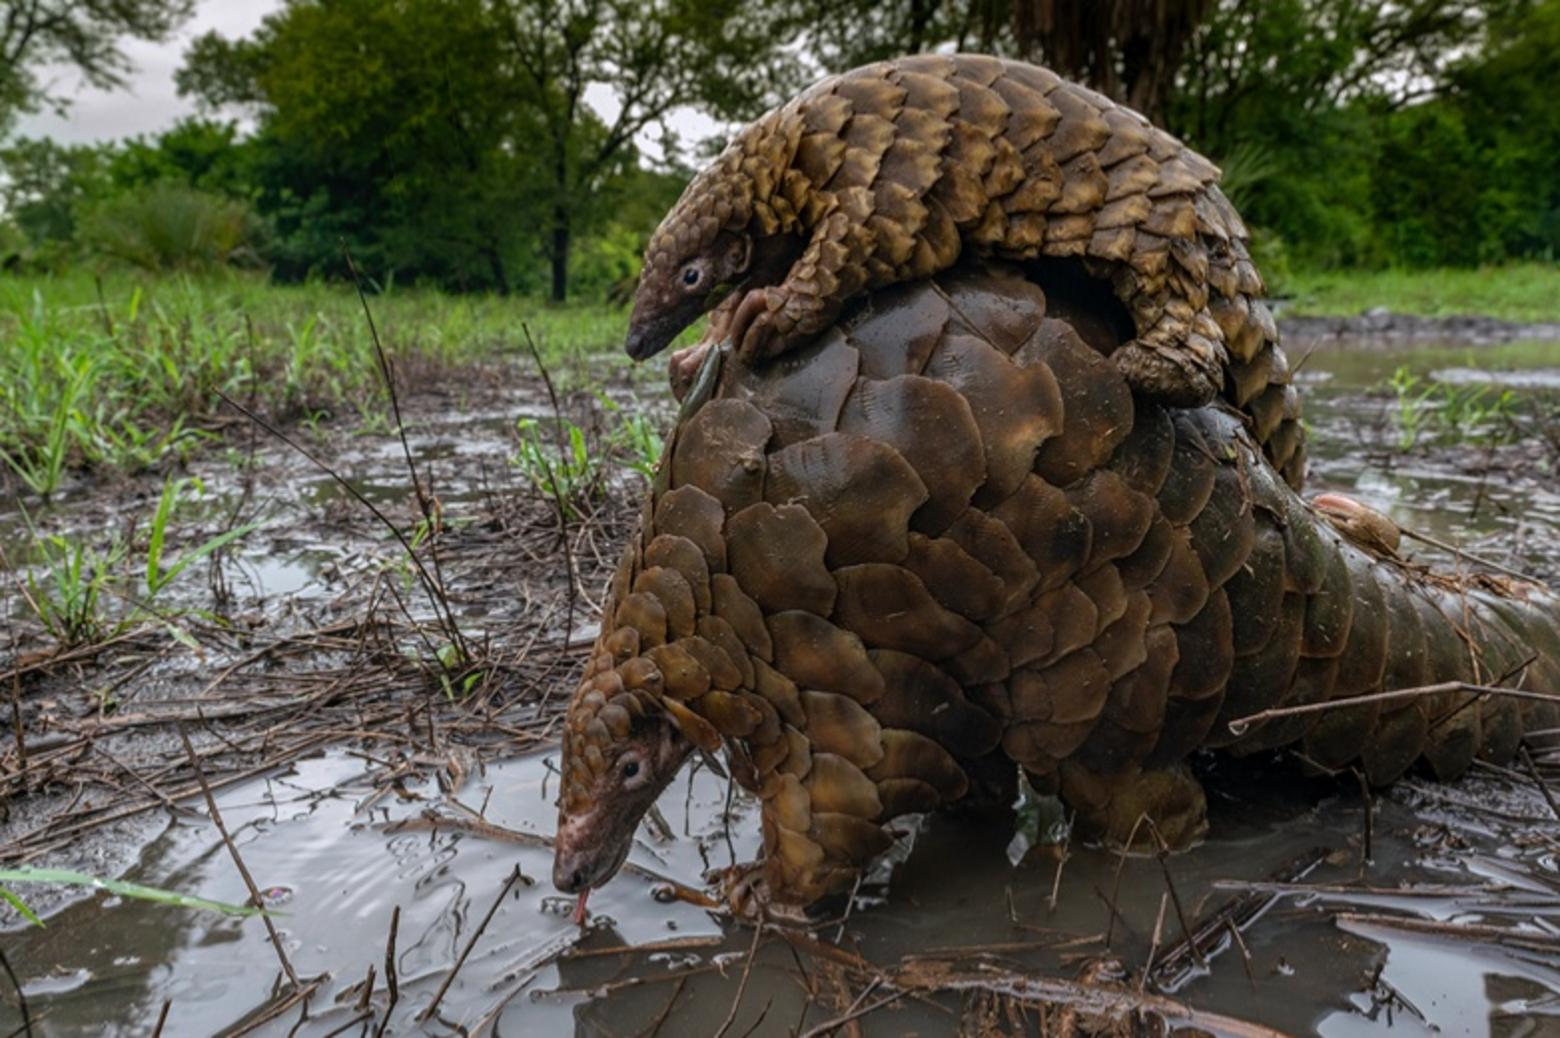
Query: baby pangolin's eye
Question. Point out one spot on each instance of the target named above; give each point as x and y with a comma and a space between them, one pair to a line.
691, 275
631, 769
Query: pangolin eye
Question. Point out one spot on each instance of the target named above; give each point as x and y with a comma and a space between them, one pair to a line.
631, 769
691, 275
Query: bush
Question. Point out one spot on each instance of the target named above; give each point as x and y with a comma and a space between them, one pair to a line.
169, 226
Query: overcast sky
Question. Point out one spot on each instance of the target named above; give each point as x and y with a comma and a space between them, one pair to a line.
151, 104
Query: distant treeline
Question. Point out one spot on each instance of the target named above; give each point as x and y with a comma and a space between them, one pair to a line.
491, 144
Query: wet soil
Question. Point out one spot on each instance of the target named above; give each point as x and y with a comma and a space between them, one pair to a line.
363, 793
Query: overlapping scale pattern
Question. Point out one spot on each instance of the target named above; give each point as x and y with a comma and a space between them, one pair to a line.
890, 172
945, 538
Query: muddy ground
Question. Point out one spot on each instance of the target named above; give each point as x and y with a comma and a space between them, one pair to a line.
393, 811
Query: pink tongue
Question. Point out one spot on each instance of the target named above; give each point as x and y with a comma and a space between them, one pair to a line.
579, 907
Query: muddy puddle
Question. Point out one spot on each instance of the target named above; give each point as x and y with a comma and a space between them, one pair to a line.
1393, 917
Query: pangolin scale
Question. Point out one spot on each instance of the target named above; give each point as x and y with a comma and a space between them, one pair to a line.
890, 172
945, 539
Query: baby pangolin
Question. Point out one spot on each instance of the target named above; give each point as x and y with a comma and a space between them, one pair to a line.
891, 172
944, 541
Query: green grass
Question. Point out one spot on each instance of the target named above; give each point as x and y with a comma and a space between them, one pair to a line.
566, 466
171, 898
81, 591
128, 378
1436, 412
1518, 292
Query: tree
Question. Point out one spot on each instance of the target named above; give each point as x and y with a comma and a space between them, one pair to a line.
1130, 50
387, 125
1297, 99
440, 136
85, 34
42, 185
653, 56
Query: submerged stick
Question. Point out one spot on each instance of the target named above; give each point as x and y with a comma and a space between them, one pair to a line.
391, 982
21, 996
1463, 553
476, 935
162, 1018
232, 848
747, 971
828, 1027
1538, 780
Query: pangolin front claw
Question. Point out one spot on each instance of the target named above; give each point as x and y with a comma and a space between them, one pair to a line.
747, 896
754, 327
683, 367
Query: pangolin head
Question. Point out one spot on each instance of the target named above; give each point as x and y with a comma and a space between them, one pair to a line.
698, 255
622, 745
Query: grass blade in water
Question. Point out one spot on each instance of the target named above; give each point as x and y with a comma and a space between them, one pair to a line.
123, 889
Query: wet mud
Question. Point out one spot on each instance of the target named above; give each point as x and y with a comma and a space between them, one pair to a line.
1424, 910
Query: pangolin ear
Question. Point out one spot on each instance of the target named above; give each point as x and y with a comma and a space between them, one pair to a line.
739, 254
695, 728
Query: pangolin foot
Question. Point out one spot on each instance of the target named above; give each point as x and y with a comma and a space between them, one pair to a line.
683, 367
1144, 810
747, 895
755, 325
1174, 375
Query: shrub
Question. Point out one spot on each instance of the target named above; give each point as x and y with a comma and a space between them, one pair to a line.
169, 226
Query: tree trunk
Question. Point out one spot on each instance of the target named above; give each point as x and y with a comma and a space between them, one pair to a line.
560, 254
1129, 50
496, 267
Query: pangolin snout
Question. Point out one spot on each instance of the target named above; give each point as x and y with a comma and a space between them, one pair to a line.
583, 858
570, 875
642, 345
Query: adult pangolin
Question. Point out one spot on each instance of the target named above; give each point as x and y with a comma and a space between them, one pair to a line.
944, 540
892, 172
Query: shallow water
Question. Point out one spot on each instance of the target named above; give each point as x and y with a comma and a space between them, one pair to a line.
324, 847
336, 872
1467, 492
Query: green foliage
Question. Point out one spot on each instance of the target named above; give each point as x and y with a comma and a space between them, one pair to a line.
486, 172
564, 469
67, 598
81, 594
1431, 411
1512, 292
158, 575
375, 134
21, 907
42, 184
635, 438
1353, 133
168, 227
126, 380
199, 153
562, 463
1419, 133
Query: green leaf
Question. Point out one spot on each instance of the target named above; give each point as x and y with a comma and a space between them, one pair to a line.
21, 906
123, 889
